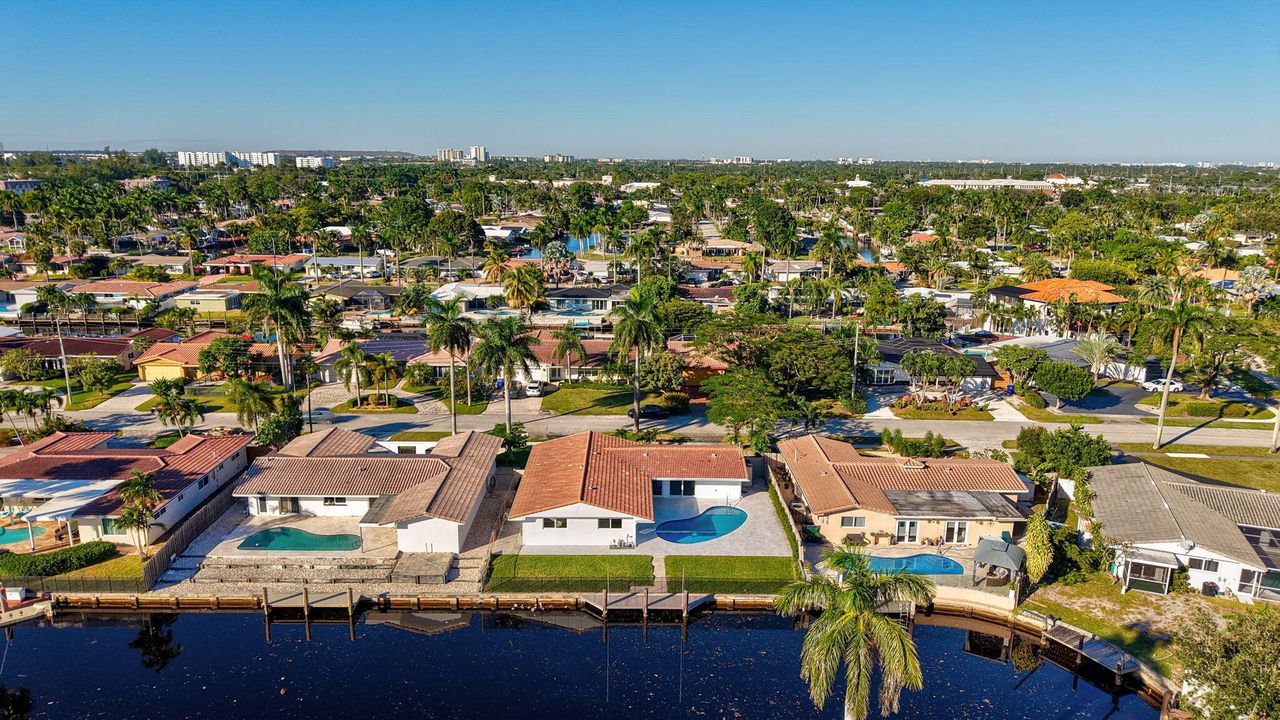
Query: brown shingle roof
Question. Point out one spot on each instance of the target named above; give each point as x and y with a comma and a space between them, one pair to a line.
834, 477
611, 473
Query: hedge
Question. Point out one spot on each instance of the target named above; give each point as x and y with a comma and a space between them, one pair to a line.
1212, 409
677, 403
58, 561
1034, 399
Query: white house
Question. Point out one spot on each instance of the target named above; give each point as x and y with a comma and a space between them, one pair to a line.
135, 293
889, 370
1027, 309
346, 266
596, 489
1227, 539
429, 499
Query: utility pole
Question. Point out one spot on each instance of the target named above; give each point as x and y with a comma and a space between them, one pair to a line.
853, 391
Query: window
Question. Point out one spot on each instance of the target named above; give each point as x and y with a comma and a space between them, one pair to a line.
554, 523
1248, 581
335, 501
203, 482
160, 512
609, 523
657, 487
1202, 564
109, 527
908, 531
1151, 573
406, 450
262, 504
180, 496
856, 521
882, 376
681, 487
956, 533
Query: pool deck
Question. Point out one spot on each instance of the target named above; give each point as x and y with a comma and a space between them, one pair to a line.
378, 542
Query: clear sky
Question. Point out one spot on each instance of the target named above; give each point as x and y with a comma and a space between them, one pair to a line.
1081, 80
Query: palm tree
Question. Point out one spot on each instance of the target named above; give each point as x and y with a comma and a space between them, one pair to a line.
523, 287
851, 631
494, 265
449, 330
506, 345
351, 366
1181, 320
635, 329
382, 370
55, 303
753, 265
140, 489
253, 401
180, 412
280, 303
138, 520
1098, 349
568, 346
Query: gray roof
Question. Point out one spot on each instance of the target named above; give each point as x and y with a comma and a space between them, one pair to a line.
1139, 502
958, 504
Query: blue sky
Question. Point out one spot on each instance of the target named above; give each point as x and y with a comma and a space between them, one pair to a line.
1036, 81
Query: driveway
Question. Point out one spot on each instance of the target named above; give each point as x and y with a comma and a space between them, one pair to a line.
126, 401
1110, 399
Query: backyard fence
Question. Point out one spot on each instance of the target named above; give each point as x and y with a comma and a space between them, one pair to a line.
186, 531
73, 582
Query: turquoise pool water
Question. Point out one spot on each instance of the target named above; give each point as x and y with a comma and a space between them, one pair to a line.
708, 525
923, 564
295, 539
12, 535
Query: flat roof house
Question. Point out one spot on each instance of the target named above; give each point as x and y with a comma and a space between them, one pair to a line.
595, 489
135, 293
586, 298
1226, 538
373, 266
72, 478
210, 300
430, 500
889, 370
904, 501
172, 264
355, 295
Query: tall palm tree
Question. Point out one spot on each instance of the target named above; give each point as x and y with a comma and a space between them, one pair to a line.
383, 370
523, 287
1098, 349
55, 303
494, 265
280, 304
506, 345
180, 412
253, 401
568, 346
1184, 319
851, 631
138, 520
351, 366
450, 331
140, 489
635, 329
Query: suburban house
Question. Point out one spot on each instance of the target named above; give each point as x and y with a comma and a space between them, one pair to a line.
717, 299
429, 499
474, 296
355, 295
351, 267
1026, 309
210, 300
1062, 350
786, 270
905, 501
84, 348
172, 264
586, 298
402, 348
134, 293
57, 264
1226, 538
595, 489
243, 263
889, 370
181, 359
15, 294
72, 479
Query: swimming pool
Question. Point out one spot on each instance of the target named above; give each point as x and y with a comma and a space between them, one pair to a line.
922, 564
708, 525
295, 539
8, 536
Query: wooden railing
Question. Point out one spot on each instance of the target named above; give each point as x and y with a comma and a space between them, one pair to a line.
186, 531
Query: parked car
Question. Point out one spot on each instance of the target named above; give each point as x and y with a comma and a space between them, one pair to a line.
1158, 386
650, 411
535, 388
318, 415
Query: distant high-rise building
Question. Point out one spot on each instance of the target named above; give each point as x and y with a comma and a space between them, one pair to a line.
256, 158
743, 160
312, 162
449, 155
557, 158
479, 153
200, 158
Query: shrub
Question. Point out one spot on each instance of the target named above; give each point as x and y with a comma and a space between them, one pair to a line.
1210, 409
856, 405
928, 446
1034, 399
515, 440
676, 402
58, 561
6, 437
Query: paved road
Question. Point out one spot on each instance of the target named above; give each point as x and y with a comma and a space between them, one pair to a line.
978, 435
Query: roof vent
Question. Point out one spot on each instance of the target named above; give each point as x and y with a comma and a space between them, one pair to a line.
1187, 545
913, 464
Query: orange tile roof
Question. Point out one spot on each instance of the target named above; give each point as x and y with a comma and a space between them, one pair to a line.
135, 288
834, 477
1047, 291
187, 352
269, 260
608, 472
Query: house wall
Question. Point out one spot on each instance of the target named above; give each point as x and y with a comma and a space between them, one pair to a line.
582, 527
726, 490
830, 527
152, 371
408, 447
355, 507
432, 535
1226, 577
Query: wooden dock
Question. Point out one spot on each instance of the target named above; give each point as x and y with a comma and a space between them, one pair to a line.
645, 602
1088, 646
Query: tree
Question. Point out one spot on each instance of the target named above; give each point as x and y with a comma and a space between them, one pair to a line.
352, 367
922, 317
1066, 452
742, 399
1098, 349
280, 303
138, 521
1064, 381
450, 331
279, 428
227, 355
96, 374
56, 303
1232, 663
253, 401
180, 412
22, 363
506, 345
663, 372
1182, 319
1038, 543
1020, 362
1220, 352
635, 330
523, 287
140, 498
383, 371
682, 315
568, 346
849, 630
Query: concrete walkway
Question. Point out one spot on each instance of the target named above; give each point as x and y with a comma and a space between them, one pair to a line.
333, 394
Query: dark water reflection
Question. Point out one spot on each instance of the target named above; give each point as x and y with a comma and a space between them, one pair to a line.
499, 666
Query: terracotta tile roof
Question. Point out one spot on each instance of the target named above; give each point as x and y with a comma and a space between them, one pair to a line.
268, 260
135, 288
445, 484
1047, 291
49, 347
611, 473
81, 456
187, 352
326, 443
835, 477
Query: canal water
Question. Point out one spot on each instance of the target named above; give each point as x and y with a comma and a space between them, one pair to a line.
442, 665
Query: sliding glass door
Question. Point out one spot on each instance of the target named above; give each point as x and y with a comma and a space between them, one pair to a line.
908, 531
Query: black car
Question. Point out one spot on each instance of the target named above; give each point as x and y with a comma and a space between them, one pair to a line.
650, 411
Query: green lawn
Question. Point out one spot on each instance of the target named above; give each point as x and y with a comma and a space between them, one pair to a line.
1190, 448
82, 399
120, 566
1048, 416
419, 435
1258, 474
1178, 403
592, 400
969, 413
464, 408
206, 403
784, 520
400, 406
567, 573
1206, 422
729, 573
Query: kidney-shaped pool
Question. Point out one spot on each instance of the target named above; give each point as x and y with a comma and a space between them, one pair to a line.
708, 525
